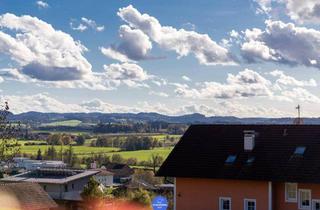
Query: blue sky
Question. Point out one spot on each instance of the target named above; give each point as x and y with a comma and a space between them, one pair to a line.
242, 58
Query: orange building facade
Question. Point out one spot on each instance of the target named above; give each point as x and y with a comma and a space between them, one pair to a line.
207, 194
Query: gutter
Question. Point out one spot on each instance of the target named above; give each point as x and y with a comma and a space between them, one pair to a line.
270, 195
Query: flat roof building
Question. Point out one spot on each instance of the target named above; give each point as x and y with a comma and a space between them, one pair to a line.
60, 184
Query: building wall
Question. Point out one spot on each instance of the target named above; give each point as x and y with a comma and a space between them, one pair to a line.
57, 191
78, 184
105, 180
203, 194
54, 190
279, 195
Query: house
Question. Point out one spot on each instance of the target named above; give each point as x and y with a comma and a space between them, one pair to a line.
249, 167
28, 164
25, 196
104, 177
63, 185
140, 184
122, 173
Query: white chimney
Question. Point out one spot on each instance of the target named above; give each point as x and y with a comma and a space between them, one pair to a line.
249, 140
93, 165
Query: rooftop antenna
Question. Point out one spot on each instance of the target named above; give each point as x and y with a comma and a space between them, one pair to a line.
298, 120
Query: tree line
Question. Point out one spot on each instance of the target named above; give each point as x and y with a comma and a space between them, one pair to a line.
149, 127
130, 143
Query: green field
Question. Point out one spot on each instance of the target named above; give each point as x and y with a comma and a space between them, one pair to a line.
86, 150
81, 151
142, 155
72, 123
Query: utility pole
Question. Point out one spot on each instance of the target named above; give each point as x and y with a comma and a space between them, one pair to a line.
298, 120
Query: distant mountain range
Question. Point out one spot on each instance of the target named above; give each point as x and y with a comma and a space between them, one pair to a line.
38, 117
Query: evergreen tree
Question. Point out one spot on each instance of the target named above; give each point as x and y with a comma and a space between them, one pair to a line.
9, 146
80, 140
52, 153
39, 155
70, 154
92, 190
93, 195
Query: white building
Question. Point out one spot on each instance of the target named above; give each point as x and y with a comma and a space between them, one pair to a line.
104, 177
60, 184
30, 165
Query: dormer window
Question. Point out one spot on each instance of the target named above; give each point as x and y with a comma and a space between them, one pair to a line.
299, 151
231, 159
250, 160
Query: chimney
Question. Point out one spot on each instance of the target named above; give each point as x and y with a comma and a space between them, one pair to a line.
249, 140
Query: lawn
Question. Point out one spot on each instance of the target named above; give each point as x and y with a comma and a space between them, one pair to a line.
86, 150
141, 155
145, 154
79, 150
163, 136
72, 123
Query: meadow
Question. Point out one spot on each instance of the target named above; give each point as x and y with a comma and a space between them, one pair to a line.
86, 150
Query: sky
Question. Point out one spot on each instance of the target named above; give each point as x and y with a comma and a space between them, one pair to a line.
244, 58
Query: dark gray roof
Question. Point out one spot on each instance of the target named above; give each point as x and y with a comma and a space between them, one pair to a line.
203, 149
119, 170
50, 175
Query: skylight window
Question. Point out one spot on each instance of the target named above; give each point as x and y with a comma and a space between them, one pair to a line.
250, 160
230, 159
300, 150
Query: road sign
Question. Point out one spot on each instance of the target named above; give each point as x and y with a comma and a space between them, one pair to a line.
159, 203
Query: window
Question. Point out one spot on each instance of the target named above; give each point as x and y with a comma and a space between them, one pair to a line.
291, 192
300, 150
230, 159
304, 199
250, 204
224, 203
315, 204
250, 160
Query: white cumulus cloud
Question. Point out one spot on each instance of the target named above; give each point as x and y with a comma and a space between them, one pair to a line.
84, 24
306, 11
41, 51
45, 103
186, 78
282, 43
134, 45
285, 80
264, 6
42, 4
246, 83
183, 42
